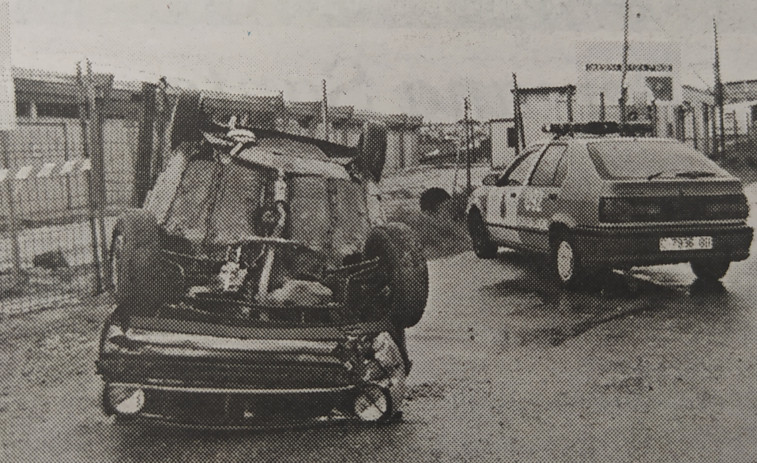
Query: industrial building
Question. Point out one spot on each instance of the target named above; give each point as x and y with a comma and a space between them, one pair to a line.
655, 95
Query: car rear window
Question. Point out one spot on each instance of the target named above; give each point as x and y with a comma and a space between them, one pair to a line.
626, 159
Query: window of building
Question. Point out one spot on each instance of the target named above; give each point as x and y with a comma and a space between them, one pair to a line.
23, 109
512, 137
58, 110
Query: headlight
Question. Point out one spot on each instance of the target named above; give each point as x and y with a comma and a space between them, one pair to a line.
388, 355
372, 404
126, 400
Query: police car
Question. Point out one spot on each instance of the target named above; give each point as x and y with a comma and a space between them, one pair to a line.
610, 198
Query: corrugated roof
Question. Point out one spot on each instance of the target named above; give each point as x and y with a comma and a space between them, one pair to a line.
312, 109
558, 89
41, 75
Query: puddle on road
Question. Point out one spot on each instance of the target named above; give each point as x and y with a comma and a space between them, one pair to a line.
551, 316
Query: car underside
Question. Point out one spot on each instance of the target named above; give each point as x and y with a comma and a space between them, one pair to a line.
259, 284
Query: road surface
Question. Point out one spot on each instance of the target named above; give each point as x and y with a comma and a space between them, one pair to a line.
651, 366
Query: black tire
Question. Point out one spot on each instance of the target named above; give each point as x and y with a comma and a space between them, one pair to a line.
566, 262
404, 266
710, 270
372, 149
483, 246
135, 262
432, 198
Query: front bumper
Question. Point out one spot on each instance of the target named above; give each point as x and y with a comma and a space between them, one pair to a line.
278, 378
626, 246
236, 407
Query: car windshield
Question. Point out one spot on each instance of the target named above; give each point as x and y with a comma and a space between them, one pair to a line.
626, 159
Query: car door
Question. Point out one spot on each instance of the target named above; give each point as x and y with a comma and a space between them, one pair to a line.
539, 199
502, 201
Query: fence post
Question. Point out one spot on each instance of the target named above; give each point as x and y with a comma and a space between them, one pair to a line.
12, 219
143, 161
97, 90
706, 128
735, 125
88, 178
713, 119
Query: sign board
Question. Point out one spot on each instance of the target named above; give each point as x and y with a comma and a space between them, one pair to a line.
7, 93
653, 72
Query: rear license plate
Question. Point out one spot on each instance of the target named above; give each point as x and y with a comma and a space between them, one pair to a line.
685, 243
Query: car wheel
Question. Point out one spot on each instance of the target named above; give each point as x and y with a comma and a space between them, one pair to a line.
566, 262
135, 262
482, 243
710, 269
432, 198
404, 266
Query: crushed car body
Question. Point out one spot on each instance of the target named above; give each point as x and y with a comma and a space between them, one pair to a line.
260, 285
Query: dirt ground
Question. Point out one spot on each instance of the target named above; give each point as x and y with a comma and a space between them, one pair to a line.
650, 366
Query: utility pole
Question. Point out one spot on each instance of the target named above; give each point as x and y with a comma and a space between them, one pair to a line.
325, 112
719, 91
467, 146
515, 116
623, 89
518, 117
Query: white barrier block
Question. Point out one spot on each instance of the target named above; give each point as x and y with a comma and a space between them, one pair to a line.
23, 173
86, 164
3, 174
68, 166
46, 170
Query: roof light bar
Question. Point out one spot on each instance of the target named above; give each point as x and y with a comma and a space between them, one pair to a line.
600, 128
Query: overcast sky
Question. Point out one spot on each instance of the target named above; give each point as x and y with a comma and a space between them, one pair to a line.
418, 57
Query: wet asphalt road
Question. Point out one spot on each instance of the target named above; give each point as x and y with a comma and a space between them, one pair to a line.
652, 366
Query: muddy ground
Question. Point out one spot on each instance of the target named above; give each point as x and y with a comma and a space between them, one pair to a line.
649, 366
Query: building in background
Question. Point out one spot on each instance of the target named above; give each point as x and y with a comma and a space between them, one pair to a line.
345, 123
655, 95
740, 107
652, 77
504, 140
544, 105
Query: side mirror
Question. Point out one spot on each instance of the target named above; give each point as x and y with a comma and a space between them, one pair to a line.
490, 180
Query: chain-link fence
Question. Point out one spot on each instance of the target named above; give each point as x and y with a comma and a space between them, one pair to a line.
46, 251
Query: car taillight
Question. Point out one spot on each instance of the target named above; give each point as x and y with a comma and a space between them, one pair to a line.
673, 208
617, 210
728, 207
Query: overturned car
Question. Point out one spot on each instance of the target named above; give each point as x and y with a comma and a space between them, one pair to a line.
260, 285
